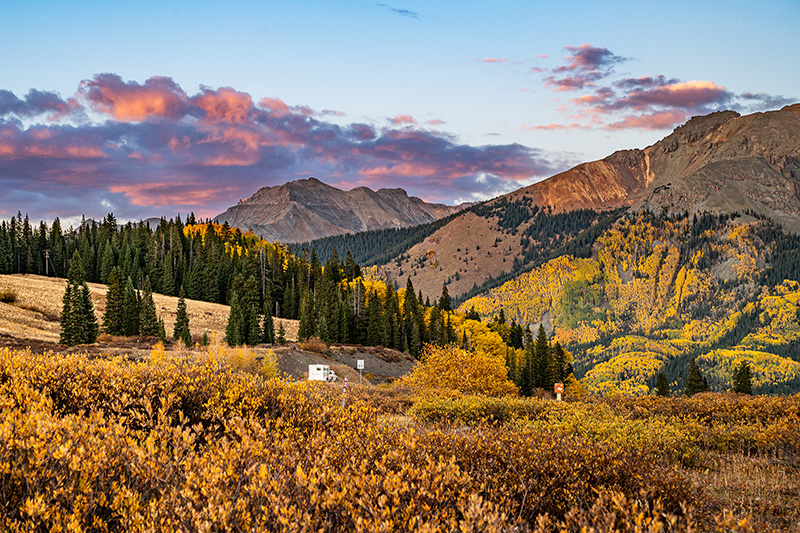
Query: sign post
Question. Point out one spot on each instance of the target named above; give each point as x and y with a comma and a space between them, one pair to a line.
559, 388
344, 392
360, 366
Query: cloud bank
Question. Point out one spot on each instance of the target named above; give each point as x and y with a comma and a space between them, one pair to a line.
151, 148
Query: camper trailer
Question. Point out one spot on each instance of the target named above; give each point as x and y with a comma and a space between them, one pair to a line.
321, 373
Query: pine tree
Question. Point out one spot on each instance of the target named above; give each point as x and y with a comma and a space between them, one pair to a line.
662, 386
115, 304
67, 322
444, 300
181, 329
78, 321
130, 317
742, 379
281, 337
148, 318
695, 382
85, 316
542, 361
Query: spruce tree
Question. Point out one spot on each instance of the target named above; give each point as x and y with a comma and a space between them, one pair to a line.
130, 317
148, 318
67, 322
542, 361
85, 316
662, 386
306, 328
742, 379
281, 337
115, 304
181, 329
267, 327
695, 382
558, 364
444, 300
243, 324
78, 321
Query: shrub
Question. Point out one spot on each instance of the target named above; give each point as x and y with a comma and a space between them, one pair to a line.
313, 344
454, 369
8, 296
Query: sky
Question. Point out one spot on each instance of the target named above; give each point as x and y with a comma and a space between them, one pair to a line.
157, 108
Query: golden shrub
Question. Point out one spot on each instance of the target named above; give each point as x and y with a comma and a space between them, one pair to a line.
451, 368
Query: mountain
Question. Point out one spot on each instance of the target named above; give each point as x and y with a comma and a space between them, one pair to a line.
719, 163
305, 210
722, 162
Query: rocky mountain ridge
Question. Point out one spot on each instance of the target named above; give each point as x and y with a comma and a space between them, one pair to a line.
304, 210
718, 163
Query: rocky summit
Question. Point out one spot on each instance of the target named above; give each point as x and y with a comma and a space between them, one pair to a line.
304, 210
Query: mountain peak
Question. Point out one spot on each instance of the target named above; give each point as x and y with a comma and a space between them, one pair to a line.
308, 209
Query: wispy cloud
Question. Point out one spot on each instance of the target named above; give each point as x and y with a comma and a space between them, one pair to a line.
585, 65
151, 149
402, 12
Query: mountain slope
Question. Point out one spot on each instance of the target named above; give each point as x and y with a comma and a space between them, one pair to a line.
305, 210
663, 290
719, 163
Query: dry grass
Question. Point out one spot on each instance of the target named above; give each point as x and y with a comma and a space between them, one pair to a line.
760, 486
35, 313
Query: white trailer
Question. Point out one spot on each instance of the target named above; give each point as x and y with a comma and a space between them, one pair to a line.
321, 373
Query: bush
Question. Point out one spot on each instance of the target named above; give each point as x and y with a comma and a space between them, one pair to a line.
448, 368
313, 344
8, 296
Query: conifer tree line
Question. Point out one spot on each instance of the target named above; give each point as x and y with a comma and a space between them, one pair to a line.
542, 364
217, 263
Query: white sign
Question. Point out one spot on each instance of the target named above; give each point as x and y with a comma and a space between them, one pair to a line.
360, 364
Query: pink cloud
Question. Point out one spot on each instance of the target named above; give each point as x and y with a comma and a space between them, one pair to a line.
585, 65
225, 105
557, 127
663, 120
131, 102
167, 193
493, 60
402, 119
276, 105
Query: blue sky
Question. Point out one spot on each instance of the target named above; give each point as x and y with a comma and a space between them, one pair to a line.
154, 108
